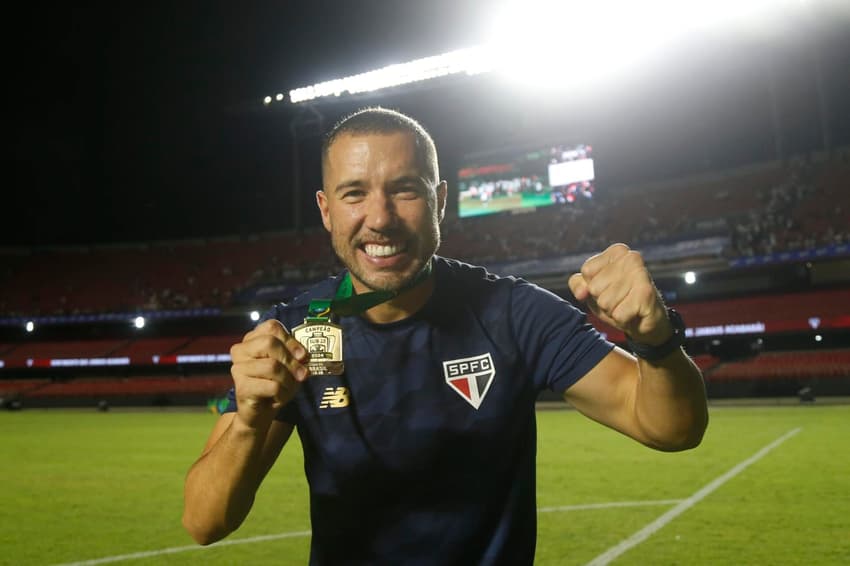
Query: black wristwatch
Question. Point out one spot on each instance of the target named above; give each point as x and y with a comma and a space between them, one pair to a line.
654, 353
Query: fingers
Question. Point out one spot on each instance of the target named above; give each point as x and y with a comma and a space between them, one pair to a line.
599, 272
271, 340
619, 289
269, 327
265, 378
578, 286
268, 367
597, 263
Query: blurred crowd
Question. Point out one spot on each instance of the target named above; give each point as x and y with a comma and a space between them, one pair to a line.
763, 209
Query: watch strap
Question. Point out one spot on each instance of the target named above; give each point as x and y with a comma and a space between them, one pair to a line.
654, 353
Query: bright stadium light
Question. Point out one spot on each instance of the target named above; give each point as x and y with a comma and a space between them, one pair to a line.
267, 100
690, 277
469, 61
818, 337
30, 326
574, 42
255, 316
139, 322
567, 43
579, 42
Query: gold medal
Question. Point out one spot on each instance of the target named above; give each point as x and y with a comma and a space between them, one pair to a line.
323, 340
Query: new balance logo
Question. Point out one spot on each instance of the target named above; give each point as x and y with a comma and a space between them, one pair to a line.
334, 398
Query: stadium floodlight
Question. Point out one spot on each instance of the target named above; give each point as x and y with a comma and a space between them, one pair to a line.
267, 100
577, 43
566, 43
818, 337
139, 322
255, 316
30, 326
470, 61
574, 42
690, 277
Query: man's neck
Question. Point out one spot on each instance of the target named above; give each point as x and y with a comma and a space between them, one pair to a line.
401, 307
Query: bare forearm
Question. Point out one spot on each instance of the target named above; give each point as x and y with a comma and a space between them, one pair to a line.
221, 485
670, 402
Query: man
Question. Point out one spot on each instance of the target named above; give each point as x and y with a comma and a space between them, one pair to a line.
422, 449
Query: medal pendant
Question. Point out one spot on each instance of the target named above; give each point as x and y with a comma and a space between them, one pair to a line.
323, 340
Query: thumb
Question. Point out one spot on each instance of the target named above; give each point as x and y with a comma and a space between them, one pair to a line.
578, 286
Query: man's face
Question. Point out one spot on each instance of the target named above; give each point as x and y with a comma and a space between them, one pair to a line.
382, 208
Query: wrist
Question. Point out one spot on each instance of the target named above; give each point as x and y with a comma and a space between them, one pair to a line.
656, 350
254, 428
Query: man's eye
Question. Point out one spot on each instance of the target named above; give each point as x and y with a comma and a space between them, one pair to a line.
352, 195
410, 192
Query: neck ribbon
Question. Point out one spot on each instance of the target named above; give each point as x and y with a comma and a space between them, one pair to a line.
347, 303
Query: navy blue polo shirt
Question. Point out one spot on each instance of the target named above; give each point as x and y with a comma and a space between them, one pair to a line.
423, 451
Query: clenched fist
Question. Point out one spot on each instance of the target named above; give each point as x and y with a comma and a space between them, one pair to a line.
268, 367
619, 290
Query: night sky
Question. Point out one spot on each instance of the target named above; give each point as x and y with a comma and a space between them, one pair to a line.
145, 121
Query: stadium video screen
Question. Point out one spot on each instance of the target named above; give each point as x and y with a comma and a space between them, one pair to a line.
515, 179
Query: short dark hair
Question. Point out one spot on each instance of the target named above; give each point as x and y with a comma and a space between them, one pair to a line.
378, 120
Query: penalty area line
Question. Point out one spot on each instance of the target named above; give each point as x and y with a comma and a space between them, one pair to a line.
650, 529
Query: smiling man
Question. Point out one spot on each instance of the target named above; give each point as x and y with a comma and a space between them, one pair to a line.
411, 378
382, 203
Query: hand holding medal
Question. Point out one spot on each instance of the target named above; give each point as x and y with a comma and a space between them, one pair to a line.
268, 367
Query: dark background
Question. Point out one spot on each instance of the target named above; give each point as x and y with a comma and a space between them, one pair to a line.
144, 121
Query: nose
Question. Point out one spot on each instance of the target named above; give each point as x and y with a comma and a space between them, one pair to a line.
381, 214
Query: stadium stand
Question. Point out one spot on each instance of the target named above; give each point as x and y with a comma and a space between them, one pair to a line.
786, 365
136, 386
705, 362
60, 350
209, 345
142, 350
763, 209
20, 387
781, 311
760, 209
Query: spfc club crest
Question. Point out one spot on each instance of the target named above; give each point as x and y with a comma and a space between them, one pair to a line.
470, 377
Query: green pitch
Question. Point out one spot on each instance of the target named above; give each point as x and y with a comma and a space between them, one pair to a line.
474, 207
79, 485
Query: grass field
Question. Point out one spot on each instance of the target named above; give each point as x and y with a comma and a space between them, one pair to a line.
79, 486
474, 207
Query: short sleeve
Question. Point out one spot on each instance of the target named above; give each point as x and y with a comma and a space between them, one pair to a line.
556, 342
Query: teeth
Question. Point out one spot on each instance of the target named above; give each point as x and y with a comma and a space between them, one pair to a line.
376, 250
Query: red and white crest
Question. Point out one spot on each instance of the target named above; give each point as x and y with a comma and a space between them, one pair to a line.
471, 377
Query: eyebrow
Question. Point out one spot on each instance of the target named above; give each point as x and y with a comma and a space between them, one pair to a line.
357, 183
410, 179
353, 183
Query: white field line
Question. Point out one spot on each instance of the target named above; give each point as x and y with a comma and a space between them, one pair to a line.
176, 549
264, 538
608, 505
650, 529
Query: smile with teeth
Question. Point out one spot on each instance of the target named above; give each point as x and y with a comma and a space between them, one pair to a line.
379, 250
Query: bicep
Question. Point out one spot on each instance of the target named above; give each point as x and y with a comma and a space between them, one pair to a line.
279, 432
607, 392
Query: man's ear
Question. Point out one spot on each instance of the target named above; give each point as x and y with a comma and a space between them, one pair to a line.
442, 192
322, 202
